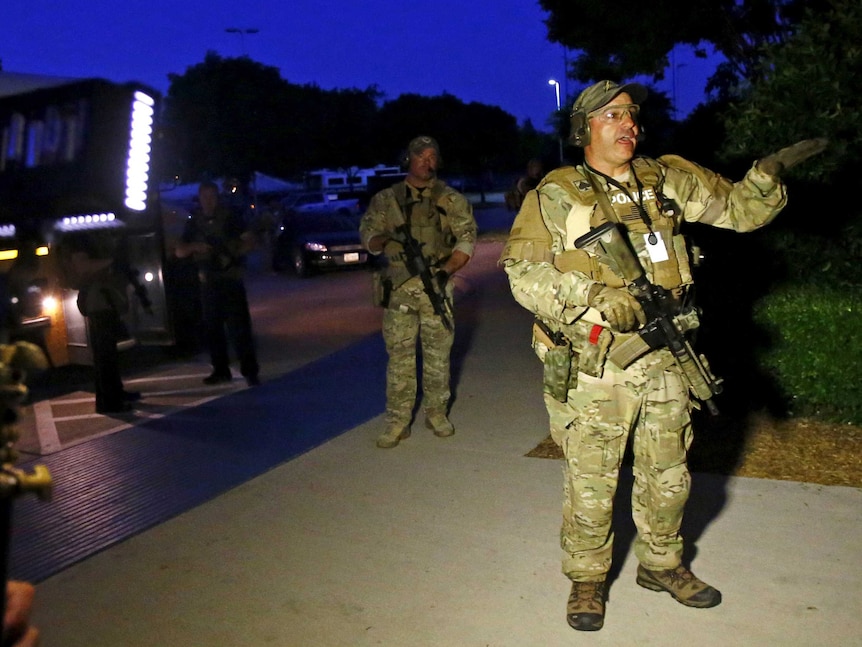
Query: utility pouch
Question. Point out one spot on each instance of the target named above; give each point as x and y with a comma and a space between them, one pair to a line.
595, 351
559, 360
381, 289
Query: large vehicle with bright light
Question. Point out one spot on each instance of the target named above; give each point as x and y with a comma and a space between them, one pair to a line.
76, 157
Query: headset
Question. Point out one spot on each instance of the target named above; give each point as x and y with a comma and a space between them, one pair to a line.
404, 156
404, 159
579, 134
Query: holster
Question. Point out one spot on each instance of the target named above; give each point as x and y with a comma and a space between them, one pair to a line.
381, 289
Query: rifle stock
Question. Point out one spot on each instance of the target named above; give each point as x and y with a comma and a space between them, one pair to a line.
665, 328
419, 266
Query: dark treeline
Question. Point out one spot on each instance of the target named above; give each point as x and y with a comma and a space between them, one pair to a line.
232, 116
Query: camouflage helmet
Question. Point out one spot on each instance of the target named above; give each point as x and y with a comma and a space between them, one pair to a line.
594, 97
419, 144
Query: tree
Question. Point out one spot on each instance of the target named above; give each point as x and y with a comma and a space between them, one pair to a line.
626, 38
223, 116
473, 137
328, 128
230, 117
347, 132
808, 87
233, 116
534, 144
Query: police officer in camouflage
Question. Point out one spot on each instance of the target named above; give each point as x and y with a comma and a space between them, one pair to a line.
441, 220
584, 310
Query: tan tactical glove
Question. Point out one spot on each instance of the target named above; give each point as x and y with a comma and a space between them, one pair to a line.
392, 248
779, 162
619, 308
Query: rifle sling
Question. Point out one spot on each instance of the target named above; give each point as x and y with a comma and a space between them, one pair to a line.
622, 354
607, 210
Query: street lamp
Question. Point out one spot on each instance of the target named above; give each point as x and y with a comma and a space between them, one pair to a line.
242, 33
556, 85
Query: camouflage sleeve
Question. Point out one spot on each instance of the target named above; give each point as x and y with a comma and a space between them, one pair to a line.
547, 292
528, 257
709, 198
461, 222
374, 222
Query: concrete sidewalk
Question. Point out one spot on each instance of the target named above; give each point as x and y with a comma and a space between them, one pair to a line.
454, 542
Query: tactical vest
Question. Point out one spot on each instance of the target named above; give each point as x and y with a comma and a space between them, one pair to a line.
663, 214
221, 231
429, 225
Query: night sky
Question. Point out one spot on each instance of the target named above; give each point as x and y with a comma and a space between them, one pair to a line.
490, 51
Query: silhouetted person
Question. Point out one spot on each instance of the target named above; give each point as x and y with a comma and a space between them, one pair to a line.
218, 240
103, 300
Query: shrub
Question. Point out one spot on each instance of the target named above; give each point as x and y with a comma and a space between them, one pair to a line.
815, 349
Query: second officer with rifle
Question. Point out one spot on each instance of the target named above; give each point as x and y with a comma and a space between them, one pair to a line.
597, 254
218, 240
425, 232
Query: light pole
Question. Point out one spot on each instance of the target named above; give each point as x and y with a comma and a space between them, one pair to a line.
242, 33
556, 85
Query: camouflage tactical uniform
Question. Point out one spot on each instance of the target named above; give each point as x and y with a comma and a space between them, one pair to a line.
441, 219
553, 279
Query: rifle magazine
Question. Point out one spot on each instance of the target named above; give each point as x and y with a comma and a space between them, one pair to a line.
559, 362
626, 352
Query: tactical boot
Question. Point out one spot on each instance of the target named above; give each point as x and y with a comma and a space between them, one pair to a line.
682, 584
393, 435
585, 610
217, 377
439, 424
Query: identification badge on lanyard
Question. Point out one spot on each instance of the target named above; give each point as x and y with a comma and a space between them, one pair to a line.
655, 247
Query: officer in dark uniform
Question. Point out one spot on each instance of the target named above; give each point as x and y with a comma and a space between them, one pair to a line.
218, 240
89, 258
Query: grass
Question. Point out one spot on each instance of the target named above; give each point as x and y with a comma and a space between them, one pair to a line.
762, 446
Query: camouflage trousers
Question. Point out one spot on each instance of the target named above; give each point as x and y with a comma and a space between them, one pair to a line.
650, 399
409, 317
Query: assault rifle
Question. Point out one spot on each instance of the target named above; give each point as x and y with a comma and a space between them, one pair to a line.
140, 289
133, 276
419, 266
666, 324
223, 253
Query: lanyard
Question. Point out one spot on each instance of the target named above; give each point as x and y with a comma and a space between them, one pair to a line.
639, 204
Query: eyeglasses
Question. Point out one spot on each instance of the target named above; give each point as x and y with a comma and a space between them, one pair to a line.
616, 114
